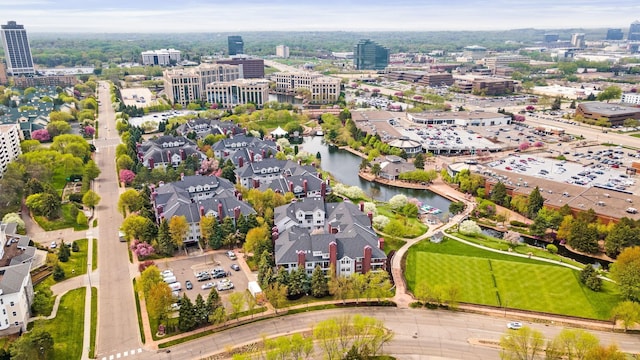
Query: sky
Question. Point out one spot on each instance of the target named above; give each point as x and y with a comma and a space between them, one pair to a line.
158, 16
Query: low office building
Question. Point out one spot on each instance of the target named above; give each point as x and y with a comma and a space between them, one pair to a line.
410, 147
460, 118
24, 82
491, 86
392, 166
238, 92
9, 145
502, 61
432, 79
338, 236
323, 89
616, 114
162, 57
195, 197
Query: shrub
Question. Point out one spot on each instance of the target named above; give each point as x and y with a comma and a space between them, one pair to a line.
145, 264
517, 223
380, 222
75, 197
552, 249
75, 247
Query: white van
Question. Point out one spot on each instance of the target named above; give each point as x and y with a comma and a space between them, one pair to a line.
170, 279
175, 286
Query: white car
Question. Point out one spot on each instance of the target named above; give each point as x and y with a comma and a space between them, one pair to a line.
208, 286
54, 245
514, 325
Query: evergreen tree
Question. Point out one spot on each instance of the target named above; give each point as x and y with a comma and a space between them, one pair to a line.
215, 242
202, 311
298, 283
58, 273
589, 277
583, 237
265, 269
187, 318
63, 252
534, 203
165, 244
213, 300
418, 161
282, 277
319, 283
557, 104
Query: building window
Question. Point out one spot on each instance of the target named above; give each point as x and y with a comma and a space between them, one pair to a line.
14, 314
11, 303
15, 323
4, 311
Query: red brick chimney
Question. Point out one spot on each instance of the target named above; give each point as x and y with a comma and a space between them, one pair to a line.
256, 183
251, 155
220, 215
381, 244
183, 155
361, 205
370, 215
366, 262
240, 162
236, 212
201, 210
323, 190
290, 186
305, 186
301, 259
152, 163
333, 256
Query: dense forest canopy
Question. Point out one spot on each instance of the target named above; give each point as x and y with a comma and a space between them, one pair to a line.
96, 49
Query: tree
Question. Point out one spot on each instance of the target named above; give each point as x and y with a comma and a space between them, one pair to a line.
251, 302
498, 193
148, 278
276, 293
628, 312
135, 227
158, 300
456, 207
523, 344
620, 237
626, 272
573, 344
609, 93
398, 201
38, 344
127, 176
534, 203
557, 104
376, 169
237, 301
319, 286
91, 170
64, 253
56, 128
178, 229
298, 283
90, 199
14, 218
583, 237
418, 161
469, 227
564, 230
45, 204
339, 287
165, 244
58, 273
130, 201
256, 239
187, 318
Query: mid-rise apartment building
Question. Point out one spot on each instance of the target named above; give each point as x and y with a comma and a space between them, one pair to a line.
324, 89
186, 85
9, 145
634, 31
24, 82
162, 57
577, 40
237, 92
282, 51
16, 49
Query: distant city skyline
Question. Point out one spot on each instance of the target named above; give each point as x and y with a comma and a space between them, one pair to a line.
145, 16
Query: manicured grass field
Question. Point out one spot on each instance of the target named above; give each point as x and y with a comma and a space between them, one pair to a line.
67, 327
519, 282
64, 221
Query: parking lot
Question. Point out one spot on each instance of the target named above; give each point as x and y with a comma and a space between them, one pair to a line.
187, 268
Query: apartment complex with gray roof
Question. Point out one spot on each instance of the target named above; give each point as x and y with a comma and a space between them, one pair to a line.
167, 150
196, 196
339, 236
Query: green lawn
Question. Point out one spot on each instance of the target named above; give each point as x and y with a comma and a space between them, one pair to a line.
413, 227
635, 135
94, 255
67, 327
63, 222
77, 264
520, 282
94, 321
392, 243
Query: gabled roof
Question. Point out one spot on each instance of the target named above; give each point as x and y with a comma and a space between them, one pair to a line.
12, 277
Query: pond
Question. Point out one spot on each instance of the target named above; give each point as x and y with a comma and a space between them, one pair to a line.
344, 167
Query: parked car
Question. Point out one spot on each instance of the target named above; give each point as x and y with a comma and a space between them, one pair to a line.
203, 277
189, 284
54, 245
235, 267
514, 325
231, 255
225, 284
208, 286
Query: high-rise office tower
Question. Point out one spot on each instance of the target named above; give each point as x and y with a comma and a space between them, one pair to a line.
282, 51
634, 31
548, 38
368, 55
236, 45
577, 40
16, 49
614, 34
